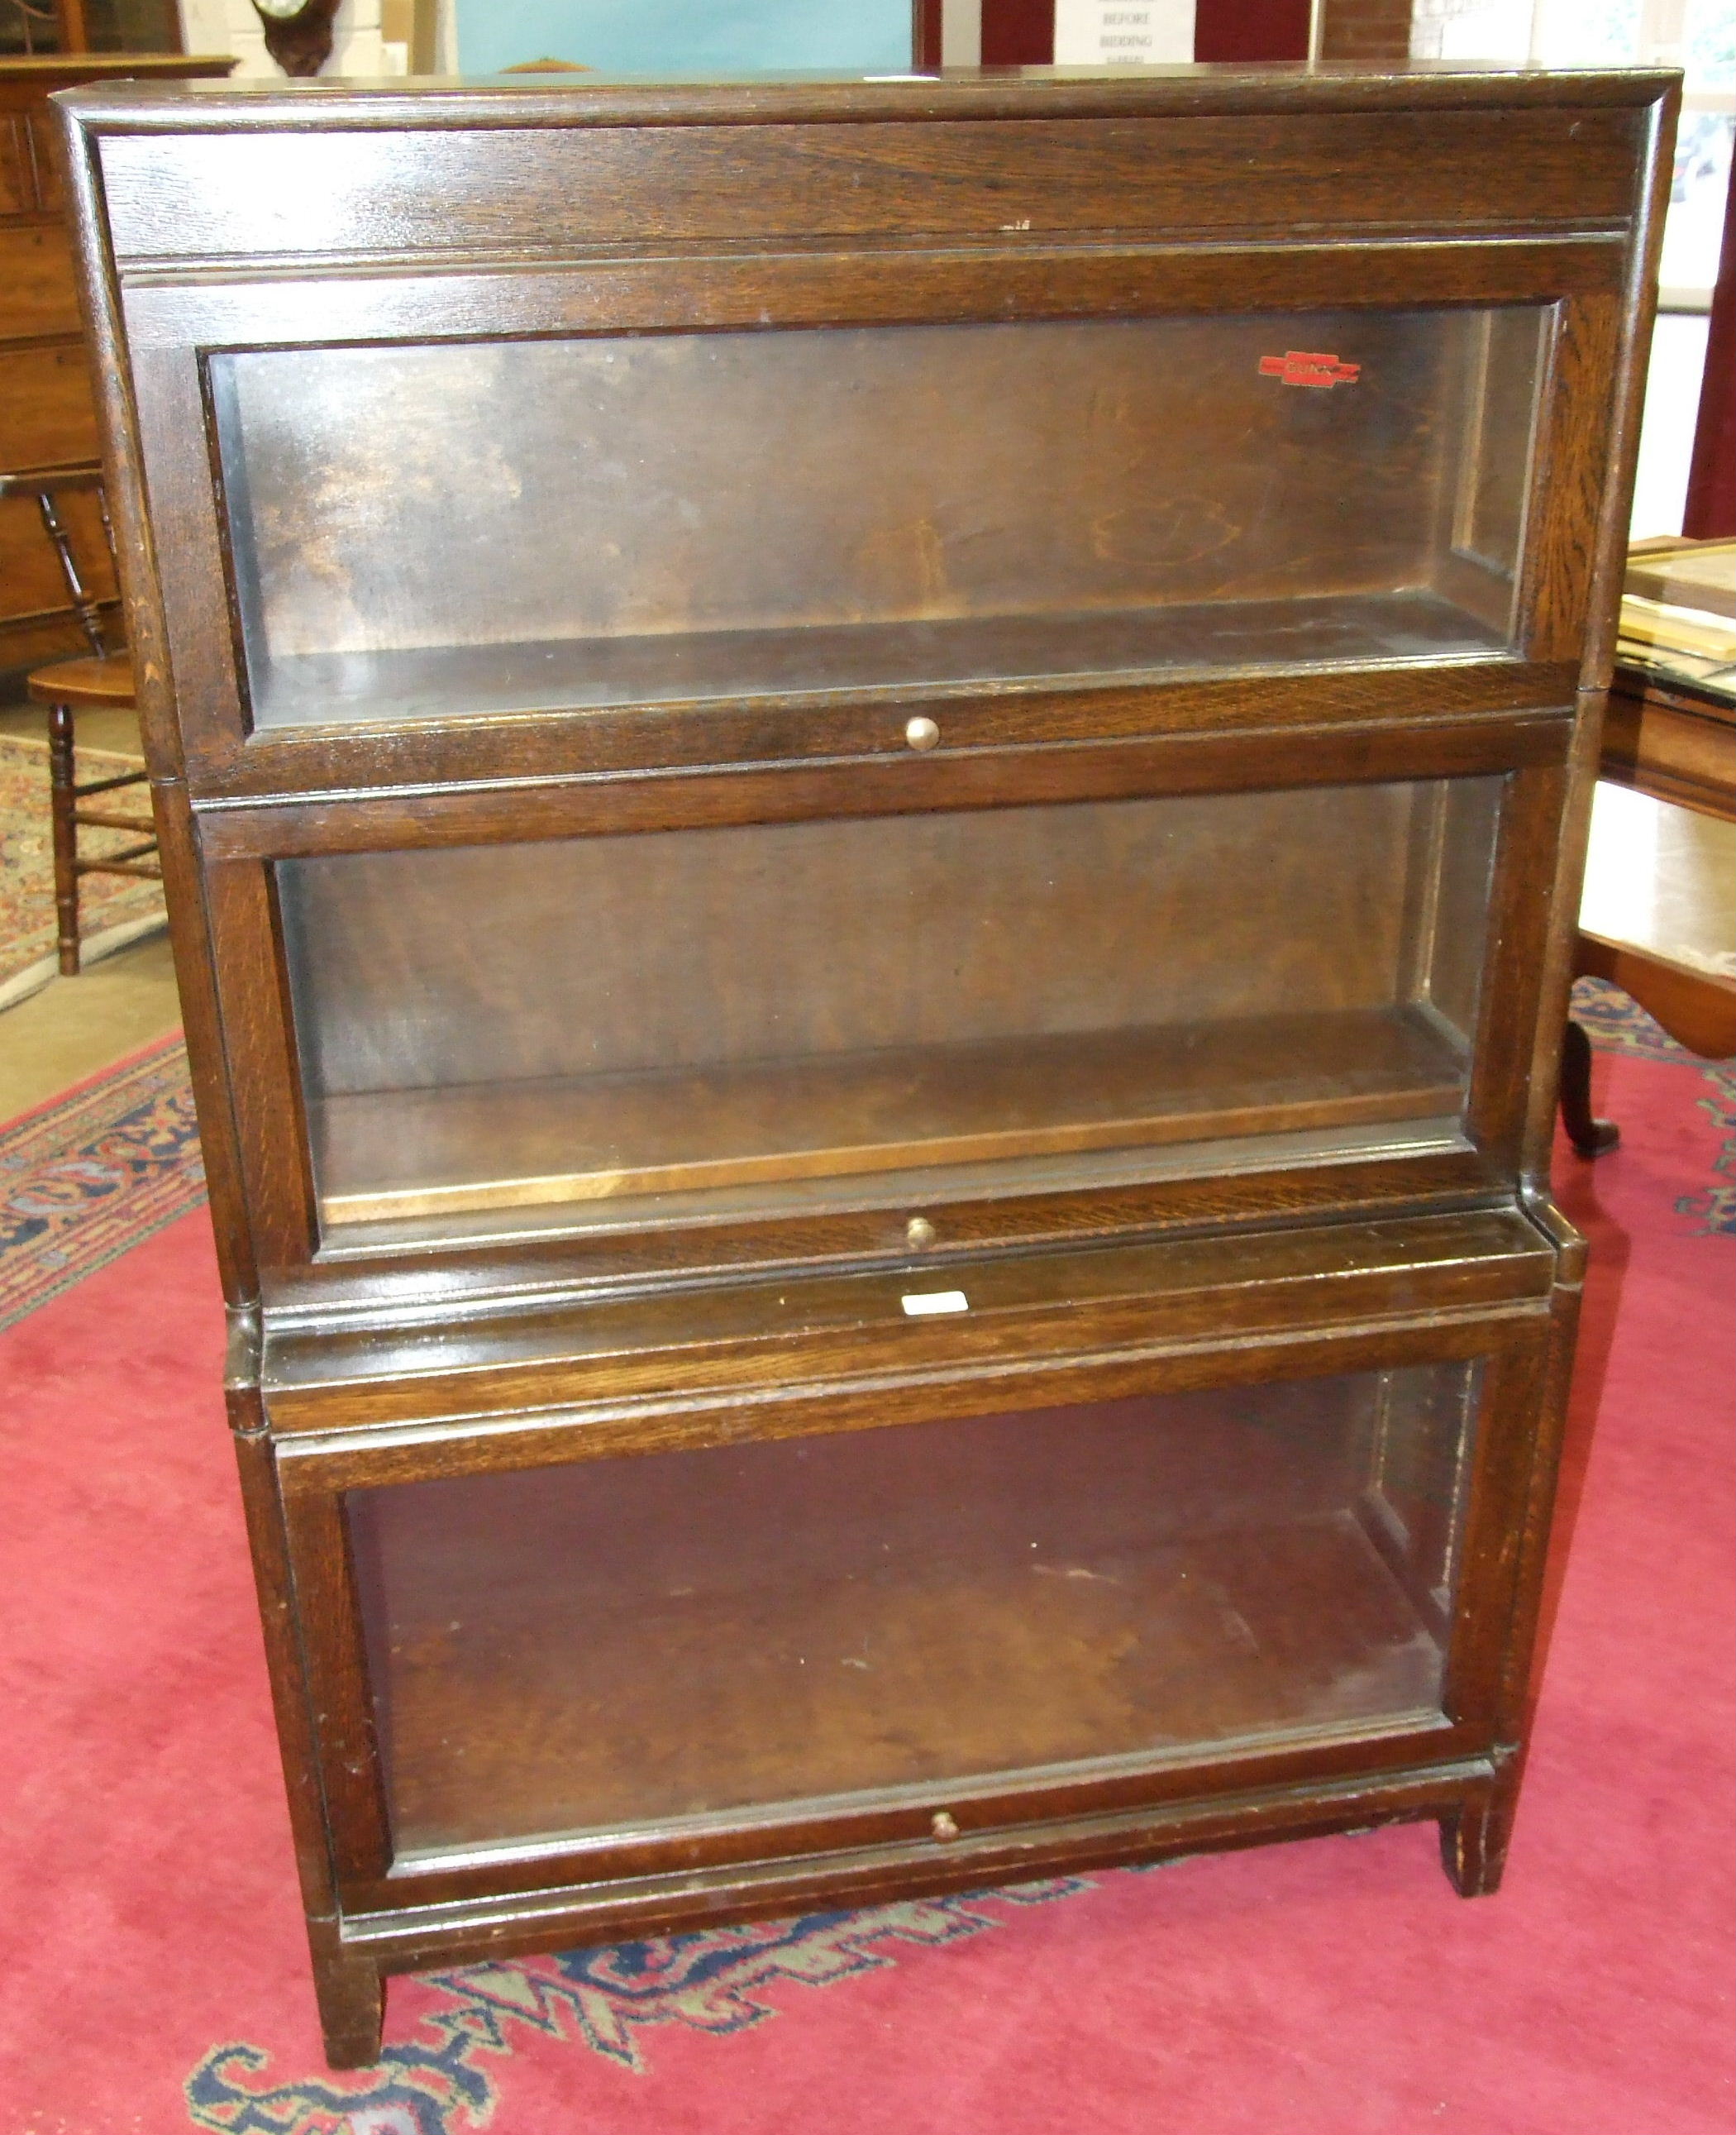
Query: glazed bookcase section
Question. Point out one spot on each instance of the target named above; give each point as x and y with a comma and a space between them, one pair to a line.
869, 794
426, 532
763, 1019
639, 1641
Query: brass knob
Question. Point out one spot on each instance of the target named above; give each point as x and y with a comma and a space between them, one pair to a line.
922, 732
942, 1825
918, 1231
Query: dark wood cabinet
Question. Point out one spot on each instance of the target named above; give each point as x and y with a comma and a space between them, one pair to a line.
46, 414
872, 796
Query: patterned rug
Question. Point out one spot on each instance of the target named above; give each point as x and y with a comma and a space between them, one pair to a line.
1616, 1023
94, 1171
156, 1976
114, 909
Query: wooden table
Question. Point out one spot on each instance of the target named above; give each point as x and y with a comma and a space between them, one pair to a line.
1658, 917
1670, 728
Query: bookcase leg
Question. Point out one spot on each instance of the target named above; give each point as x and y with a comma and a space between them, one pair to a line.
352, 2001
1474, 1845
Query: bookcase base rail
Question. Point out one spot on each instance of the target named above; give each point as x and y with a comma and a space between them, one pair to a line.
1471, 1797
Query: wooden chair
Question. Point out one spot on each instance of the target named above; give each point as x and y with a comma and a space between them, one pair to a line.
104, 678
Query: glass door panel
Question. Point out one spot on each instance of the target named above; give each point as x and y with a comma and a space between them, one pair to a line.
687, 1024
447, 529
673, 1635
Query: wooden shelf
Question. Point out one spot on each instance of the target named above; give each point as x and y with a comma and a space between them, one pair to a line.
589, 673
406, 1153
882, 1609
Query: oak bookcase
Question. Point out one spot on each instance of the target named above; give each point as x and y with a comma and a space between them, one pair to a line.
871, 796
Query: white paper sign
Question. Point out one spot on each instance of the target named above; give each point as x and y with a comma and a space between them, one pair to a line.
1122, 32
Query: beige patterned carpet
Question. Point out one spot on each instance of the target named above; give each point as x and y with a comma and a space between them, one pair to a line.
114, 909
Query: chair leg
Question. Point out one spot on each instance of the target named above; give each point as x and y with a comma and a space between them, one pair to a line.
63, 801
1589, 1136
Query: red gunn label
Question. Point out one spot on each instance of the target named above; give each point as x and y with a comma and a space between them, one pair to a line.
1296, 367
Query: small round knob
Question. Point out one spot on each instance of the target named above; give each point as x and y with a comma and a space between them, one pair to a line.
922, 732
920, 1231
942, 1825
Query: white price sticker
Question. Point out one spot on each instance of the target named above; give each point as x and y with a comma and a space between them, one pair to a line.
918, 1303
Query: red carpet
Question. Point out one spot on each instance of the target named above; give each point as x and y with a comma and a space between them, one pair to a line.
154, 1974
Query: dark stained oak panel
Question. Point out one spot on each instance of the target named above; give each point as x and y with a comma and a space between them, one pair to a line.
46, 416
331, 192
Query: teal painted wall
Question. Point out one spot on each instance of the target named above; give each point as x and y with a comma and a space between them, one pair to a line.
687, 37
